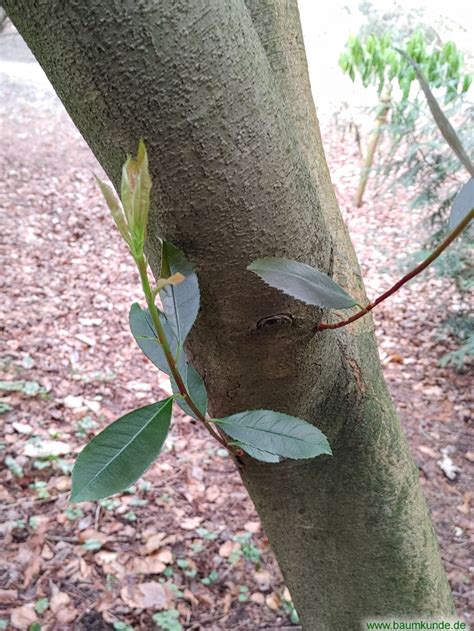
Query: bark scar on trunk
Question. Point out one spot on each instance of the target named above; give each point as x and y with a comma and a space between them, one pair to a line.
357, 374
277, 319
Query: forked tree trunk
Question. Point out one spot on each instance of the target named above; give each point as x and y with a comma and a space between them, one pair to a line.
220, 92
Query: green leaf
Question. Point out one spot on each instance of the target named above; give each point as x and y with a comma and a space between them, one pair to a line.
181, 301
344, 62
168, 620
120, 454
441, 121
302, 282
92, 545
143, 331
276, 433
30, 388
41, 605
258, 454
196, 388
463, 204
116, 210
466, 83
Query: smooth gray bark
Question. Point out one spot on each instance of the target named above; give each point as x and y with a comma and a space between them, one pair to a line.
220, 93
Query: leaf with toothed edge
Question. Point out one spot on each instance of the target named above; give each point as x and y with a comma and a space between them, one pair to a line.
121, 453
143, 330
275, 433
303, 282
258, 454
196, 388
181, 301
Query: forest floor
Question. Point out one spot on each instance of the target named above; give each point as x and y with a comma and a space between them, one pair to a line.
184, 541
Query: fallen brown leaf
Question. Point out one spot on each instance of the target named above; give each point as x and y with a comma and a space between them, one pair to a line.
257, 598
147, 595
273, 601
58, 601
428, 451
253, 527
165, 556
8, 596
465, 507
263, 578
226, 549
148, 565
91, 534
66, 615
156, 595
22, 617
190, 523
154, 542
213, 492
286, 595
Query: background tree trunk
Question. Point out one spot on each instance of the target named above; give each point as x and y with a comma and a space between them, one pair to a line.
380, 122
219, 91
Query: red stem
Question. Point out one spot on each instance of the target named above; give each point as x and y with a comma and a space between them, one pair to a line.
414, 272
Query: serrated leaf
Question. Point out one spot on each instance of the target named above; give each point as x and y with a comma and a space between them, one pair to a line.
196, 388
143, 331
463, 204
302, 282
276, 433
258, 454
180, 302
121, 453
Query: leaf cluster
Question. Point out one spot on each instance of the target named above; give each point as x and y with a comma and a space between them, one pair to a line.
376, 61
121, 453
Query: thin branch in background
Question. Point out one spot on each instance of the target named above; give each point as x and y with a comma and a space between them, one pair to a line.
414, 272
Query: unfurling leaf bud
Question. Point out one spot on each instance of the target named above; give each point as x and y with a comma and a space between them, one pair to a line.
135, 194
131, 217
116, 210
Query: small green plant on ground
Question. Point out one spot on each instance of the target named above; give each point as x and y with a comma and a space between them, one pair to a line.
41, 605
30, 388
122, 626
168, 620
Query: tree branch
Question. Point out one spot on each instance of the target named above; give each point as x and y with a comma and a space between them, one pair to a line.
414, 272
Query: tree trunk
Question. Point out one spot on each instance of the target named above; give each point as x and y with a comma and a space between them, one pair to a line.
220, 93
380, 122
